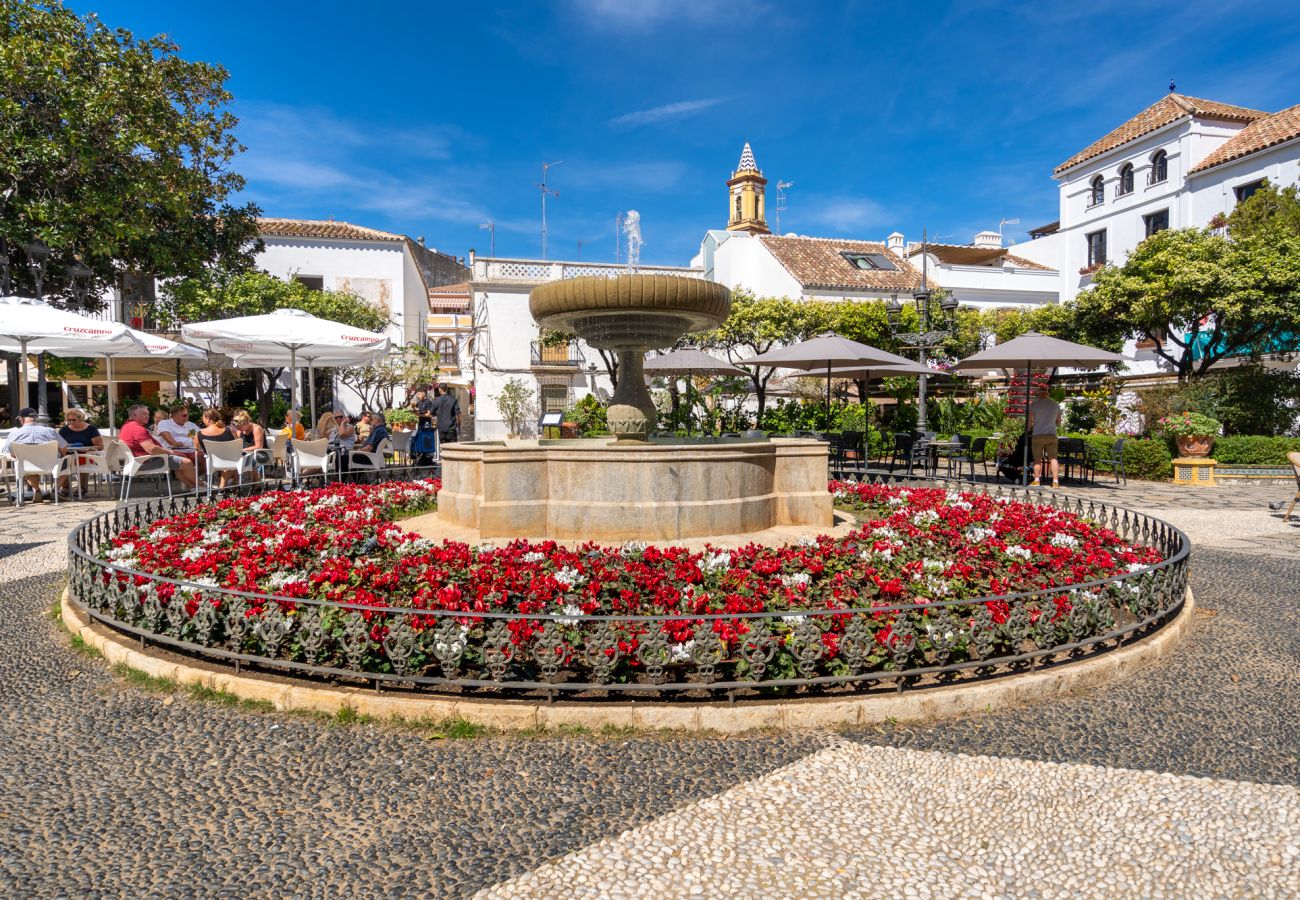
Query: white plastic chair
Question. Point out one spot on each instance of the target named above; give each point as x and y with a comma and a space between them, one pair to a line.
311, 455
226, 456
401, 441
278, 445
93, 462
142, 467
44, 460
364, 459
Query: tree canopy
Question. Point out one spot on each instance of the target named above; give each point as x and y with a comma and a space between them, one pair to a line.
223, 296
1210, 294
114, 151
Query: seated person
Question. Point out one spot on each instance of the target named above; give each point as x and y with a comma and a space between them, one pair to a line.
215, 429
140, 442
80, 435
253, 435
29, 431
293, 429
378, 434
342, 438
177, 433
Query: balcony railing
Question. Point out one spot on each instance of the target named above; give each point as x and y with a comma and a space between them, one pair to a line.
566, 356
536, 271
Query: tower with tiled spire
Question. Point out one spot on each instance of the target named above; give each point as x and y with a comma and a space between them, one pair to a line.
745, 188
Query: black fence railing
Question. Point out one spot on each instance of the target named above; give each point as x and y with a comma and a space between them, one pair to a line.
773, 652
557, 355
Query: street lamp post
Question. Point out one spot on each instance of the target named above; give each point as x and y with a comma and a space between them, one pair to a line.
928, 337
37, 255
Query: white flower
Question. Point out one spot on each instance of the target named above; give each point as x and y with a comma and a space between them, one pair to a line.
681, 653
975, 534
569, 577
633, 548
797, 580
412, 548
454, 647
1061, 539
897, 501
933, 565
571, 614
1136, 566
716, 562
193, 554
925, 516
793, 620
806, 541
533, 557
1019, 552
884, 531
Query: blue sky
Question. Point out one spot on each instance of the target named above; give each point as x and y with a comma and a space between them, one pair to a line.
430, 118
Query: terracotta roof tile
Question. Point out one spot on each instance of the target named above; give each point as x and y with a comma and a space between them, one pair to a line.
314, 228
967, 255
1021, 263
1258, 135
818, 263
1169, 108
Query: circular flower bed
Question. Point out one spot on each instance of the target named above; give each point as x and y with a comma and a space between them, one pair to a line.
918, 582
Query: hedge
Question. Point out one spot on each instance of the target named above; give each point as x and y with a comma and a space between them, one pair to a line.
1147, 458
1254, 450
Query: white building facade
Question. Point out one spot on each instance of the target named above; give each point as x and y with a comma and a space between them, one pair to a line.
507, 341
1181, 163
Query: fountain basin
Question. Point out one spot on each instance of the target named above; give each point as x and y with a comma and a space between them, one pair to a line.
601, 490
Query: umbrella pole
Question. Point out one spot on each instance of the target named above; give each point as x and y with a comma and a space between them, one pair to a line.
112, 418
828, 396
1024, 474
293, 378
25, 392
311, 386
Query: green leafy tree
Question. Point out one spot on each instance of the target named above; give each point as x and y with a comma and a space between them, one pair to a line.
1210, 295
114, 151
218, 294
1266, 210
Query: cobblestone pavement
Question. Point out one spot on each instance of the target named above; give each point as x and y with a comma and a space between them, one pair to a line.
111, 791
864, 822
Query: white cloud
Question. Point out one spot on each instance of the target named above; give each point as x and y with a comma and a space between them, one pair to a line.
639, 15
666, 113
841, 214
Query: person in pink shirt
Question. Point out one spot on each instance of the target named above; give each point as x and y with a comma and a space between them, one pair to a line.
140, 442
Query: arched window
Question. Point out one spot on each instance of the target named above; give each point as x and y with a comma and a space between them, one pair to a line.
1125, 180
1097, 195
1159, 167
446, 351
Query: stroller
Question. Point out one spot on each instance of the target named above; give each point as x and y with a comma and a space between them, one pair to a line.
424, 444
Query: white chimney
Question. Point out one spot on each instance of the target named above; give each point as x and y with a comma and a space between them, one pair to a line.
895, 242
987, 240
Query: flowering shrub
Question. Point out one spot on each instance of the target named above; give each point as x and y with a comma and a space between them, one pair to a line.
1189, 424
913, 546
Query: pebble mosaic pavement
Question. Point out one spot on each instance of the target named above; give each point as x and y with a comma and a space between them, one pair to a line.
111, 791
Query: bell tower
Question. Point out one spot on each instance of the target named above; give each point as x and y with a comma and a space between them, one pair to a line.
747, 209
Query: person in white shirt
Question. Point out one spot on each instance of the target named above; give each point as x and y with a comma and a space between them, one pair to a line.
31, 432
1044, 418
177, 433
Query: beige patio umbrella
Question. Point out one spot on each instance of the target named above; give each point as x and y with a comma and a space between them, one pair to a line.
689, 362
1031, 350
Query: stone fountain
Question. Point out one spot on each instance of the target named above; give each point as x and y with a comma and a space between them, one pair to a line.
630, 315
634, 487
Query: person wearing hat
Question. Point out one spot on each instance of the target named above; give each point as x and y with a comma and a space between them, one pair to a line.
30, 431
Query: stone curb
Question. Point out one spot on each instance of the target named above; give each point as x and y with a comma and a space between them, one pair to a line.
510, 715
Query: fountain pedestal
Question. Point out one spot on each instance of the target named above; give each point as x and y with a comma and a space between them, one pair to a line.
615, 491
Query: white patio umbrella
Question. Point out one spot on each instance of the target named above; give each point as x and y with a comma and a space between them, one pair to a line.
334, 360
149, 346
282, 336
28, 325
1032, 349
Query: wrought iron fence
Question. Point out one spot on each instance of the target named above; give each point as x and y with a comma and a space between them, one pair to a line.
601, 656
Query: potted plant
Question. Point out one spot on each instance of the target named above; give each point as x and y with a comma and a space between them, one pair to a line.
1193, 432
401, 419
517, 405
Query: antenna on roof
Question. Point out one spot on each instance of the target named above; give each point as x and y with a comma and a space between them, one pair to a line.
1015, 221
1172, 85
780, 201
545, 191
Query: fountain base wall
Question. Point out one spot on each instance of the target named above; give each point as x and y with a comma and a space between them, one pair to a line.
595, 490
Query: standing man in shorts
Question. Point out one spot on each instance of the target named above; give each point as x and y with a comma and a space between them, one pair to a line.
1044, 419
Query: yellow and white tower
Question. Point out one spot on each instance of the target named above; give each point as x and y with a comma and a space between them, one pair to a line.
746, 187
